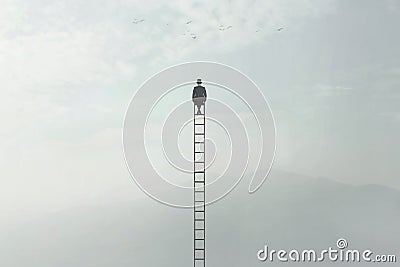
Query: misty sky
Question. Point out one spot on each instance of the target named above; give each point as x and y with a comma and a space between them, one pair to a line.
68, 70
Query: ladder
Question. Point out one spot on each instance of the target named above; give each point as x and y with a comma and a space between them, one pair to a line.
199, 187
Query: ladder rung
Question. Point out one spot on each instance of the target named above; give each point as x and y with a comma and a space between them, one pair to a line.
199, 259
198, 201
198, 133
199, 219
199, 249
198, 171
200, 182
199, 239
199, 152
199, 162
198, 142
199, 124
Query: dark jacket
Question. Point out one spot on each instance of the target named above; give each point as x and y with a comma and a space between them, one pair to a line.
199, 91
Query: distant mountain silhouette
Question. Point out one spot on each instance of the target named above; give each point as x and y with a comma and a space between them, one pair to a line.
290, 212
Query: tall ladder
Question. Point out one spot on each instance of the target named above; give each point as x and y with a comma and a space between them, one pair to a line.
199, 185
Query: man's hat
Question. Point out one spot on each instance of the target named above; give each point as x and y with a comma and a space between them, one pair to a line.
199, 81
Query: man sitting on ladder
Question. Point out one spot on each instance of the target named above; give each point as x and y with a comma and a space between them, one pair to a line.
199, 96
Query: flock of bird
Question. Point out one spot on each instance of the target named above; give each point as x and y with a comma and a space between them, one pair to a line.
192, 35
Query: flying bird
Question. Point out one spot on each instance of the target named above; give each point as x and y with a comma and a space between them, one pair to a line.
279, 29
188, 22
137, 21
223, 28
193, 36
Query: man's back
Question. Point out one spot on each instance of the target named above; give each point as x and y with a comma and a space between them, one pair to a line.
199, 91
